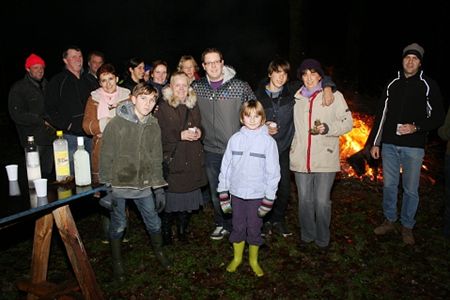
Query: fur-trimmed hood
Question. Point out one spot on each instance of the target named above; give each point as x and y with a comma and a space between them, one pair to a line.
191, 100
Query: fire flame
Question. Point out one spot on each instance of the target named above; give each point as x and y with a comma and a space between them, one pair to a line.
353, 142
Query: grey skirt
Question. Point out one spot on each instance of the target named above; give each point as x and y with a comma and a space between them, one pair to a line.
184, 201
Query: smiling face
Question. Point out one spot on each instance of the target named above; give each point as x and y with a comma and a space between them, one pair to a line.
108, 82
74, 61
137, 73
180, 86
36, 72
411, 65
278, 78
213, 66
188, 68
310, 78
252, 120
159, 74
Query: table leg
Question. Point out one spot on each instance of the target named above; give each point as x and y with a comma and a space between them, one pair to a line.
76, 253
41, 250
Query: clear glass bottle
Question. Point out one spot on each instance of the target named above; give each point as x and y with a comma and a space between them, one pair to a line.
82, 164
61, 154
32, 161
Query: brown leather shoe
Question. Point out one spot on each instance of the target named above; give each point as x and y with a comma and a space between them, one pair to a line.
384, 228
407, 235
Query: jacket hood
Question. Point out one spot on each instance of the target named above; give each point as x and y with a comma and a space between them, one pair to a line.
228, 73
125, 110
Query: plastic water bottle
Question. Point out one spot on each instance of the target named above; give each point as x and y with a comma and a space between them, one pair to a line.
32, 160
82, 164
61, 154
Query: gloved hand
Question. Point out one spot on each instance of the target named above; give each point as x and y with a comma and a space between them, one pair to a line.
160, 199
265, 207
225, 202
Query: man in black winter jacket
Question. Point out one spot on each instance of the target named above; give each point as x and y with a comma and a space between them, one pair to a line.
410, 107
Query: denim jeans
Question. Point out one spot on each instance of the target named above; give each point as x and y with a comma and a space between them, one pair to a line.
410, 161
146, 207
213, 162
73, 146
314, 206
447, 196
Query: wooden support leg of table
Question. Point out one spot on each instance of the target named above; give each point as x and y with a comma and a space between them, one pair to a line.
41, 250
76, 253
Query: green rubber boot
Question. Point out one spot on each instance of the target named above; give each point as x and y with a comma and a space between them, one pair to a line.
238, 251
157, 242
253, 260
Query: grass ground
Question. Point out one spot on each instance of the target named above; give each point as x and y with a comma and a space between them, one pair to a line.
358, 265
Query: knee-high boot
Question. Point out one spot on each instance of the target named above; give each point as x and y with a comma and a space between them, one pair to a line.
253, 260
237, 259
105, 226
182, 225
117, 260
156, 239
166, 228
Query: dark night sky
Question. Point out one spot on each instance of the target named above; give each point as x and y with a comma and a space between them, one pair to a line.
362, 41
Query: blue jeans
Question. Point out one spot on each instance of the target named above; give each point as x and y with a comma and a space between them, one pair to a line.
73, 146
447, 197
213, 162
410, 161
146, 207
314, 206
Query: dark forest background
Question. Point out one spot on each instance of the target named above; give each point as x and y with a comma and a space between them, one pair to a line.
359, 42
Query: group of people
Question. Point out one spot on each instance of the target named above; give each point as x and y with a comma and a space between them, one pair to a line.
215, 131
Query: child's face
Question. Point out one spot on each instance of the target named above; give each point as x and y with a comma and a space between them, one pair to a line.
252, 121
143, 104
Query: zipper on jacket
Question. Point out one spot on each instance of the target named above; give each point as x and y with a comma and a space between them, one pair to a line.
308, 149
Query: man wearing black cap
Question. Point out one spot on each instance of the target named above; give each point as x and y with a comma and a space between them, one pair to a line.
411, 106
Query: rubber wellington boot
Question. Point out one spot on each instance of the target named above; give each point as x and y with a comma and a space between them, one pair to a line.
166, 228
157, 243
182, 226
105, 228
253, 260
117, 260
238, 251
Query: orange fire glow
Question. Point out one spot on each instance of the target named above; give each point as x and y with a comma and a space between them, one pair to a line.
353, 142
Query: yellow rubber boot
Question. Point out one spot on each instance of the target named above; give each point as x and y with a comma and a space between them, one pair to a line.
238, 251
253, 260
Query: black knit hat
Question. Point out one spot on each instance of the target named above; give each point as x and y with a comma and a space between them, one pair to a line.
310, 64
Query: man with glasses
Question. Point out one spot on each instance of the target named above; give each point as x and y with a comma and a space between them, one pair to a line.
219, 95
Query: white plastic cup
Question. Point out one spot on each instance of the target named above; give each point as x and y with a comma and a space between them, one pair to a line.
14, 189
273, 125
41, 187
398, 129
193, 129
12, 172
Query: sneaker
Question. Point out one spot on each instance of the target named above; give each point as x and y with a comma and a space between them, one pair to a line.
407, 235
384, 228
219, 233
266, 229
281, 229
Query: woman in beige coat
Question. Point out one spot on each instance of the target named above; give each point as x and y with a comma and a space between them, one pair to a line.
314, 155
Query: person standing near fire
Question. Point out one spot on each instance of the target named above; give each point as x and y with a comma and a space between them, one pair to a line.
314, 155
410, 107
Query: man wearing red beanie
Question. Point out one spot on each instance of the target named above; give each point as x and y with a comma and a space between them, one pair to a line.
27, 109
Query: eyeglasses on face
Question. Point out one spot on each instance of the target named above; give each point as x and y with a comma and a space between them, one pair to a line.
212, 63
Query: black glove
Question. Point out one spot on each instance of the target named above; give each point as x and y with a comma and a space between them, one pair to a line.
160, 199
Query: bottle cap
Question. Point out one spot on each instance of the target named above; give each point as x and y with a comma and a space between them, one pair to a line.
80, 141
59, 133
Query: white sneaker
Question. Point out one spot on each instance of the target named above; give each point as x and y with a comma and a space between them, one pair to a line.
219, 233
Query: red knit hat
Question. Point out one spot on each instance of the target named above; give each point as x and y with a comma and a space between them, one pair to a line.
32, 60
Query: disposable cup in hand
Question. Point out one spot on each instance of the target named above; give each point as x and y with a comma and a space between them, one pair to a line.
12, 172
192, 129
41, 187
273, 125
